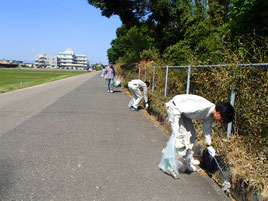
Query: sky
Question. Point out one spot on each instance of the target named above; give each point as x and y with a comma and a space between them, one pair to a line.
30, 27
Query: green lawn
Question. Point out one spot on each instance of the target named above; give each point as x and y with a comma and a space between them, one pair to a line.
12, 79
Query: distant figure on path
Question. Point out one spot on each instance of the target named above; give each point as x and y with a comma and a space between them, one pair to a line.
182, 109
109, 73
135, 86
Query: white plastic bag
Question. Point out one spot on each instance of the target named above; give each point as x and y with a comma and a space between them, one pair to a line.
177, 153
169, 159
117, 82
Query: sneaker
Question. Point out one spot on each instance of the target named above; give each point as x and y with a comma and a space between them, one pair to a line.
112, 91
108, 91
173, 173
191, 168
194, 162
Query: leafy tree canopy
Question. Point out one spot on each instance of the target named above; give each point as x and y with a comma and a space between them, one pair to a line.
247, 16
129, 11
128, 46
203, 25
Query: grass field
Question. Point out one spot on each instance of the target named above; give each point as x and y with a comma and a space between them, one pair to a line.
12, 79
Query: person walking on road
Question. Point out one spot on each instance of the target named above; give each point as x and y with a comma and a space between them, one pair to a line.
182, 109
135, 87
109, 73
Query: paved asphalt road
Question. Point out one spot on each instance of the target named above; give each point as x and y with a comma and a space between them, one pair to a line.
71, 140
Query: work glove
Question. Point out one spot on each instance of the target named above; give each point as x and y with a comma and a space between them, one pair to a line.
208, 140
146, 106
211, 151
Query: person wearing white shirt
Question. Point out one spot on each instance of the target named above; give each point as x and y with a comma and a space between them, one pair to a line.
182, 109
135, 87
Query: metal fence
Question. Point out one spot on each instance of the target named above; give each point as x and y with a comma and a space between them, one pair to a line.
232, 96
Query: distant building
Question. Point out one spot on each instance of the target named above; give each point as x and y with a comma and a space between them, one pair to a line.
68, 60
51, 62
17, 62
63, 60
43, 61
39, 61
7, 64
30, 65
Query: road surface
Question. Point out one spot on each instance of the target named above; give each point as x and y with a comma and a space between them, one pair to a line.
71, 140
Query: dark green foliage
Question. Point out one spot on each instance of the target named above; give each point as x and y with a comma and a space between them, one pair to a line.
98, 67
182, 30
129, 11
129, 44
178, 54
249, 16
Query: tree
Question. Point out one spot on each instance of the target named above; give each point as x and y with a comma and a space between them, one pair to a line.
200, 27
129, 44
248, 16
129, 11
159, 15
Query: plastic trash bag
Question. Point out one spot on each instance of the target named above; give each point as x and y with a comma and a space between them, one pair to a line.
177, 153
169, 156
117, 82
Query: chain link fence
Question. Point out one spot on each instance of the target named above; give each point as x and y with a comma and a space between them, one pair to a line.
202, 79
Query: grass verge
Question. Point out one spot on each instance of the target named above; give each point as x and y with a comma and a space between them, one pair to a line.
12, 79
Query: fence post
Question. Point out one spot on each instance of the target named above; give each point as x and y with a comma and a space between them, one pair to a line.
139, 72
188, 79
153, 81
232, 101
145, 74
166, 82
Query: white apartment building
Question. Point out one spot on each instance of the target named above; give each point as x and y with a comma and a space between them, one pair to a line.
51, 62
39, 61
43, 61
63, 60
68, 60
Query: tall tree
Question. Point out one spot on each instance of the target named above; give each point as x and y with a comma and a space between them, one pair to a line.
129, 11
129, 44
249, 16
163, 17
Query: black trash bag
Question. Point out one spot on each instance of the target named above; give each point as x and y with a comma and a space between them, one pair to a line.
208, 163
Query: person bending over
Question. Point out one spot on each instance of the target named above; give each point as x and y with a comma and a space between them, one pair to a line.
135, 87
182, 109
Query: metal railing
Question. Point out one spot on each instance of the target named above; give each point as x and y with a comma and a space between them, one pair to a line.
232, 96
